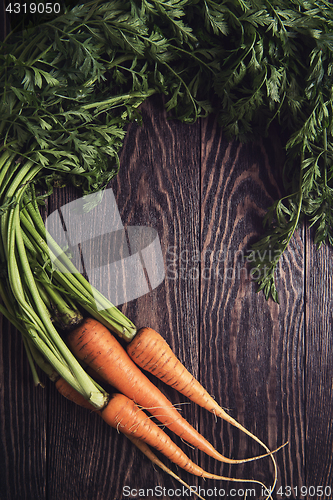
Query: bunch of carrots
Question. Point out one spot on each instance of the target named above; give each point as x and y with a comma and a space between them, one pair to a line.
107, 360
71, 340
45, 296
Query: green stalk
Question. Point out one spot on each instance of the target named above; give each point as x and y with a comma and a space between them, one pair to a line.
5, 156
61, 310
42, 363
29, 246
27, 333
325, 156
36, 356
31, 340
7, 298
37, 56
91, 299
6, 172
43, 295
88, 388
35, 375
25, 211
34, 42
39, 325
23, 176
118, 100
66, 316
16, 285
19, 327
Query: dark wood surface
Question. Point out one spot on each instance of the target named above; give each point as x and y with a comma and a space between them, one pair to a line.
269, 364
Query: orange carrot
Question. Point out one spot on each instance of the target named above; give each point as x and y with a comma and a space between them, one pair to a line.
94, 344
124, 415
70, 393
152, 353
66, 390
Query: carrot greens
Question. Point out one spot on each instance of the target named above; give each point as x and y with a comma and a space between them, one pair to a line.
71, 83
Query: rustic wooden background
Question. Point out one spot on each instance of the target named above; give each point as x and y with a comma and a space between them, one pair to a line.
269, 364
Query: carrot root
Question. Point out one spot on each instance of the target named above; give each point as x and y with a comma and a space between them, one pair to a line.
94, 344
150, 351
124, 415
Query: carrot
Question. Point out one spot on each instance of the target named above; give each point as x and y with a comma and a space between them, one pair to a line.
94, 344
70, 393
124, 415
152, 353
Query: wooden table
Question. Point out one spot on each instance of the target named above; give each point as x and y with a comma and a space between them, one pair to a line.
269, 364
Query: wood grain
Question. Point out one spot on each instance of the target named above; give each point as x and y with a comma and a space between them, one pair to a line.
318, 367
252, 344
23, 422
269, 364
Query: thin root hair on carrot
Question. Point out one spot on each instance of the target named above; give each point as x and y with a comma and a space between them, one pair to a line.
122, 409
70, 393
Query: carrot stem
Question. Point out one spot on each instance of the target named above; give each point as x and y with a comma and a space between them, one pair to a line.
90, 298
66, 316
34, 313
35, 375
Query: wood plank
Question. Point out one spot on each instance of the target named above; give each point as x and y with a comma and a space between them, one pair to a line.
23, 408
23, 422
252, 350
318, 369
